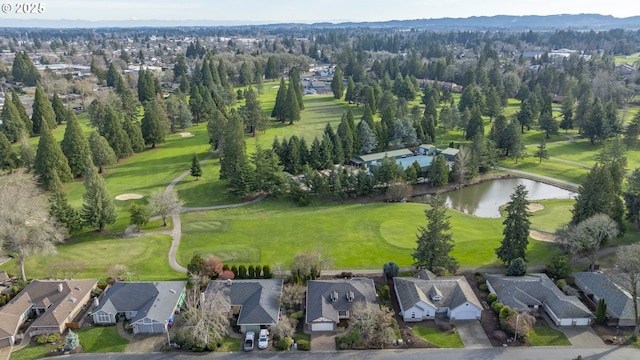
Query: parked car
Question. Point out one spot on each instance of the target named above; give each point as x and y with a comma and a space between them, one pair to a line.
249, 340
263, 339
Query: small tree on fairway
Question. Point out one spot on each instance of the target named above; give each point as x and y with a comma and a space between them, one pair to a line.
435, 240
601, 312
196, 170
164, 204
516, 227
542, 151
517, 268
139, 216
98, 209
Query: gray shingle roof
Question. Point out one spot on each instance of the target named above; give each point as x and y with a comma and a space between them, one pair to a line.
455, 291
153, 300
619, 302
521, 292
319, 292
260, 299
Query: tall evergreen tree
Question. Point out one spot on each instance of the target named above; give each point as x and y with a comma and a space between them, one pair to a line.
439, 172
114, 133
476, 125
12, 125
279, 107
60, 209
101, 152
233, 151
42, 111
49, 160
337, 83
546, 121
350, 95
153, 130
58, 109
215, 128
598, 194
632, 131
435, 242
292, 108
516, 227
567, 113
254, 118
542, 153
113, 75
135, 134
98, 209
294, 80
8, 158
595, 127
28, 124
75, 146
196, 170
272, 70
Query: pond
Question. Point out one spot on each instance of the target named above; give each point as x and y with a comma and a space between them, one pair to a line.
484, 199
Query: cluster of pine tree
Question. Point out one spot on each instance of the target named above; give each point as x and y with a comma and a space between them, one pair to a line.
289, 99
23, 69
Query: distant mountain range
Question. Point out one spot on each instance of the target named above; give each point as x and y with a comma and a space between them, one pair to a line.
498, 22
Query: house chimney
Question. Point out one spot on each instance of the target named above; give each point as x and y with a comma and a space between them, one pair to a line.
229, 282
59, 287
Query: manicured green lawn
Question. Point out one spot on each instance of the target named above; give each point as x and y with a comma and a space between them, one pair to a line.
439, 338
146, 258
555, 213
33, 351
552, 168
354, 236
546, 336
229, 344
102, 340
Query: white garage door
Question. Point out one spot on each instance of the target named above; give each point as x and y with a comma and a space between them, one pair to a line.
322, 326
465, 315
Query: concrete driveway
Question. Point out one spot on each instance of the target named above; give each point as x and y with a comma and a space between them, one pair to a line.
472, 334
323, 342
582, 336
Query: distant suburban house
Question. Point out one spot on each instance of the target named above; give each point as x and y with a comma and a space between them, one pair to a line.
596, 286
403, 157
256, 303
535, 292
149, 306
54, 304
315, 86
528, 55
423, 296
450, 153
329, 301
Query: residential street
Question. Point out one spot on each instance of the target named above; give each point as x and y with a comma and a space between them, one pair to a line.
522, 353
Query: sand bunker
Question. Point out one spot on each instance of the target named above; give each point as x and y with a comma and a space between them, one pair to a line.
542, 236
186, 134
129, 196
533, 207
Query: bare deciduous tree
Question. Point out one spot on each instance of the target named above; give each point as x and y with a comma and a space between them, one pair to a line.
26, 227
164, 204
585, 238
292, 296
521, 324
118, 271
308, 265
627, 275
286, 327
205, 320
399, 190
374, 325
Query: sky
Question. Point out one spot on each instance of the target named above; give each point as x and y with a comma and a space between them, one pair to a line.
303, 11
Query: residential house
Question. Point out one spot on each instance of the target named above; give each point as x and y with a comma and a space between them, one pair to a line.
329, 301
450, 153
427, 149
149, 306
53, 303
535, 292
256, 303
596, 286
423, 296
